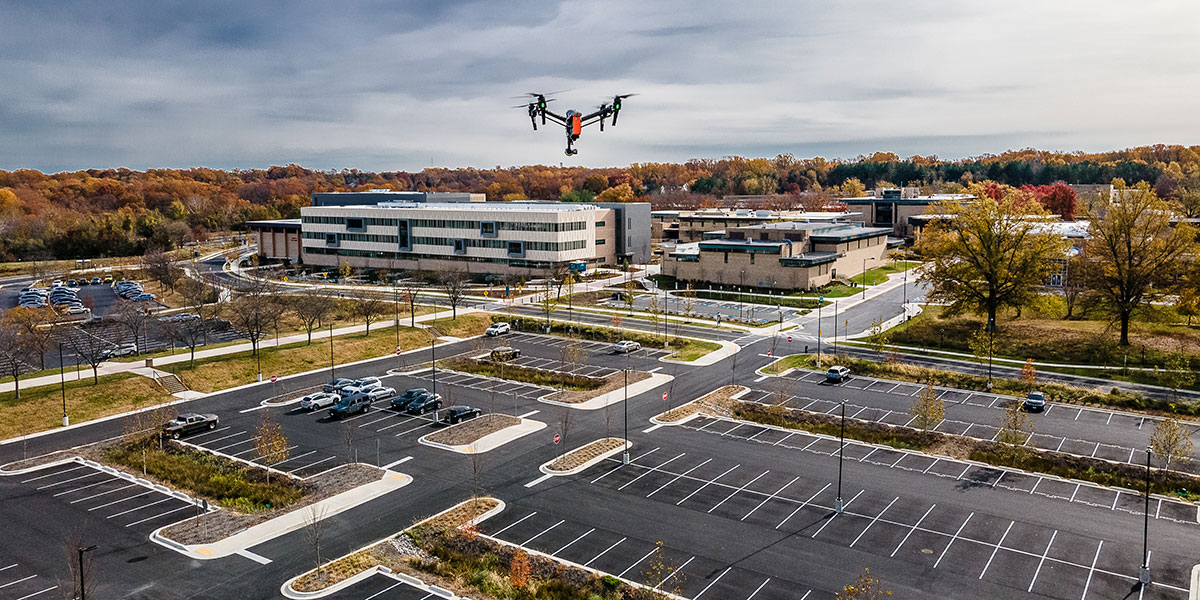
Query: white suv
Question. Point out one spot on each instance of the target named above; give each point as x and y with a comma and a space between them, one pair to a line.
498, 329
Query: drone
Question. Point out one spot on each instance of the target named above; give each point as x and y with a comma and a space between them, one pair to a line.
573, 122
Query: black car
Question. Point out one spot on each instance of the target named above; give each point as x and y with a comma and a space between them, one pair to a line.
424, 404
402, 401
190, 423
458, 414
337, 384
350, 405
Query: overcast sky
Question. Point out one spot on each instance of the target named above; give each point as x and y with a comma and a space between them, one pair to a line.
405, 85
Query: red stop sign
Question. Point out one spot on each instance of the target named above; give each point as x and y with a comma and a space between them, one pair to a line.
556, 438
273, 378
789, 338
664, 395
397, 350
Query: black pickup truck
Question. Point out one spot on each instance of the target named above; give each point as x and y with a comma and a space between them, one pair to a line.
190, 423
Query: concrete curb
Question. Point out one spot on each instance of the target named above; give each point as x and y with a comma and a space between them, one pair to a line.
657, 421
287, 522
490, 441
288, 592
615, 396
545, 467
1195, 587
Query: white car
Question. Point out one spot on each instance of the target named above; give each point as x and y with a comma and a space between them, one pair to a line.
626, 346
77, 310
380, 393
498, 329
319, 400
837, 374
121, 350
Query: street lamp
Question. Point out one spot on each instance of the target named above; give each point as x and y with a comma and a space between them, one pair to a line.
433, 362
625, 406
82, 587
1144, 575
62, 378
837, 507
332, 374
864, 277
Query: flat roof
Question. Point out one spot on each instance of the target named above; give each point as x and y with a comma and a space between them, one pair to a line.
274, 223
469, 206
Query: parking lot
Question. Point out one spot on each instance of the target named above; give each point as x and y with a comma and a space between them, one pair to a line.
966, 539
239, 443
1059, 427
380, 586
19, 581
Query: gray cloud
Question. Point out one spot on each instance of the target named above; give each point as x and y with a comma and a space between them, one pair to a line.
394, 85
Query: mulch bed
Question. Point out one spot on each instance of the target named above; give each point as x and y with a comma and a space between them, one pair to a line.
579, 456
613, 382
221, 524
718, 402
469, 432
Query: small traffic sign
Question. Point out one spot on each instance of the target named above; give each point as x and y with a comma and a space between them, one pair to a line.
768, 353
789, 338
556, 438
273, 378
398, 350
664, 395
820, 298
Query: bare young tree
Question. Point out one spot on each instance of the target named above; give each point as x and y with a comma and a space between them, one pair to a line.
927, 409
1015, 426
252, 311
311, 309
271, 443
202, 299
13, 350
314, 534
368, 307
1172, 442
134, 318
91, 349
35, 327
454, 283
409, 288
160, 267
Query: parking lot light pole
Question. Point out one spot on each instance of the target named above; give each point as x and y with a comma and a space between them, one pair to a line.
62, 378
625, 406
837, 507
1144, 575
331, 371
82, 587
433, 362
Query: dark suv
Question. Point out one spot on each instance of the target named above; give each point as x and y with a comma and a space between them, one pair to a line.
424, 404
350, 405
403, 400
190, 423
337, 384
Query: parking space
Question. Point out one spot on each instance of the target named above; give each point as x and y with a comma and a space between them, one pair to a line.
957, 538
382, 587
19, 582
107, 496
550, 364
589, 347
480, 383
239, 443
631, 557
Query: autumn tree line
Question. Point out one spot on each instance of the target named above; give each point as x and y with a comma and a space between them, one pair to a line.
121, 212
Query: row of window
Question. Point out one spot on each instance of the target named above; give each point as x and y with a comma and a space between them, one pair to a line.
351, 237
476, 243
490, 227
512, 262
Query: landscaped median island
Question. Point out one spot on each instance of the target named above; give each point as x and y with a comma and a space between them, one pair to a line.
500, 370
447, 552
605, 385
481, 434
686, 349
718, 403
1060, 464
584, 454
1055, 392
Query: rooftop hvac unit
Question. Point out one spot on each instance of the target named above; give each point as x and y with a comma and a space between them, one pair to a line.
762, 213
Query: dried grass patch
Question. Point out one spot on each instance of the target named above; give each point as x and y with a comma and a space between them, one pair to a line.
581, 455
469, 432
611, 383
718, 403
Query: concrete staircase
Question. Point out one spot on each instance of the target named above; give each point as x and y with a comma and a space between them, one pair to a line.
171, 382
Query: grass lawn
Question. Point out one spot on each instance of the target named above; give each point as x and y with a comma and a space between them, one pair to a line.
462, 327
40, 408
1044, 336
220, 372
692, 349
805, 361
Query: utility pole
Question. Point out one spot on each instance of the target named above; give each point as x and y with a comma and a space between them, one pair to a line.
820, 301
625, 406
837, 507
1144, 575
332, 374
433, 362
62, 378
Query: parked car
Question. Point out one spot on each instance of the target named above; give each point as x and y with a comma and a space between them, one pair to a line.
337, 384
402, 401
368, 382
319, 400
380, 393
428, 402
837, 374
72, 282
127, 349
498, 329
108, 278
626, 346
504, 353
1035, 401
77, 310
190, 423
56, 283
349, 405
144, 297
95, 281
458, 414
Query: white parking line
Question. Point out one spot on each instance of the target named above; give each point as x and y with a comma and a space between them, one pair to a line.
526, 542
386, 589
835, 515
162, 514
677, 477
168, 498
706, 483
136, 495
712, 583
914, 528
222, 448
511, 525
294, 457
312, 463
674, 573
802, 505
1092, 570
996, 549
734, 493
53, 587
1041, 562
397, 424
774, 495
864, 531
50, 485
764, 584
17, 581
648, 471
54, 473
84, 487
635, 563
226, 437
8, 567
951, 542
594, 558
572, 542
607, 473
103, 493
200, 435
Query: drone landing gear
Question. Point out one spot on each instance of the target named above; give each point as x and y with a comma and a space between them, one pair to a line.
571, 152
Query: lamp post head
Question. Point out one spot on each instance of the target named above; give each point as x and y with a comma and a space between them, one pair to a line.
89, 548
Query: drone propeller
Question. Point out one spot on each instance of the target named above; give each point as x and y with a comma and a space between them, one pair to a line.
616, 106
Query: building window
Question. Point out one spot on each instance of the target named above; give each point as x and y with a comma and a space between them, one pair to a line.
600, 241
460, 246
516, 248
751, 258
403, 237
331, 239
355, 224
487, 229
599, 223
726, 257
